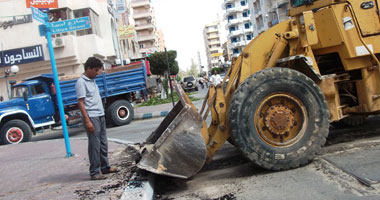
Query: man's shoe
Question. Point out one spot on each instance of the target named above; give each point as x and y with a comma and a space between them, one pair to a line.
109, 170
98, 177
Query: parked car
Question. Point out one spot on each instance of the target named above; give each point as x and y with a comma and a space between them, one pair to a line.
189, 83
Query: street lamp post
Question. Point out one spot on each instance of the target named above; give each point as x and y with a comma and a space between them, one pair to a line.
8, 73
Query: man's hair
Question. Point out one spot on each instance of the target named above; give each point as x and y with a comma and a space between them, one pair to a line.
93, 62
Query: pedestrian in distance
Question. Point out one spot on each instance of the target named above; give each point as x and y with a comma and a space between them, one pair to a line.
201, 83
91, 107
215, 79
206, 81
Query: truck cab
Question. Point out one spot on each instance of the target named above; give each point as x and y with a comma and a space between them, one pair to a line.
30, 108
36, 99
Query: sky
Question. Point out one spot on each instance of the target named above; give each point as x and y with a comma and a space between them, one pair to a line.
182, 23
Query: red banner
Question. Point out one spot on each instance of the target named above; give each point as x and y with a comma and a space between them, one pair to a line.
42, 3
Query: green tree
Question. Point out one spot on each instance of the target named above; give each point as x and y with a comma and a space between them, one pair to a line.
158, 64
218, 70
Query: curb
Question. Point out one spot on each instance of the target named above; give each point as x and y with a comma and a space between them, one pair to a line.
150, 115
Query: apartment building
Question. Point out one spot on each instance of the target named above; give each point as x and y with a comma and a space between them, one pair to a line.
19, 33
161, 40
214, 50
145, 26
126, 32
239, 25
267, 13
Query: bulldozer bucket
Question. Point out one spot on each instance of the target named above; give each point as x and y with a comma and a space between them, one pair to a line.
176, 148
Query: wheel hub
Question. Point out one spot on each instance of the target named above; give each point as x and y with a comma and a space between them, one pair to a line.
14, 135
122, 113
279, 119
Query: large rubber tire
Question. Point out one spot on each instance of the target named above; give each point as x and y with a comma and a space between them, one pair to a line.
120, 112
273, 139
351, 121
14, 132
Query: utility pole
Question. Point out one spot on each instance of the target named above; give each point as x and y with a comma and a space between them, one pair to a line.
170, 80
200, 63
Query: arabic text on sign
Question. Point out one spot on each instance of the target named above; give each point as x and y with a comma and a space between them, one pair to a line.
15, 21
22, 55
42, 3
70, 25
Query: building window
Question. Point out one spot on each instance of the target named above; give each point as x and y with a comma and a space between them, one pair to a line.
228, 6
249, 37
236, 51
243, 3
94, 20
232, 29
245, 14
247, 25
231, 17
142, 46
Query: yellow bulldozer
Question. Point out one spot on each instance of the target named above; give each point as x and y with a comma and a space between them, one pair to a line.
289, 83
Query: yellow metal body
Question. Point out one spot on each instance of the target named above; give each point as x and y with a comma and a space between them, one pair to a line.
338, 39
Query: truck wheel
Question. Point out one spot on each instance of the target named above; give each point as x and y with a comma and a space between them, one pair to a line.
15, 131
279, 119
350, 121
120, 112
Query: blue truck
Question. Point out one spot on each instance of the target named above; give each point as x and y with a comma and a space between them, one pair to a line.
33, 105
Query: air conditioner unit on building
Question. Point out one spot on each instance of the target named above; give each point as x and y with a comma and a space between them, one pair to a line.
58, 42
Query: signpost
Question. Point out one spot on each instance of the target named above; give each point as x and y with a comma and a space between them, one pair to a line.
47, 29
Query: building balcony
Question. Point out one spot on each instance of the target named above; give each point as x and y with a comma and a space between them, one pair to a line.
233, 21
213, 36
144, 27
212, 30
141, 38
148, 50
140, 3
233, 10
238, 44
214, 43
248, 30
245, 19
215, 49
235, 33
226, 2
144, 14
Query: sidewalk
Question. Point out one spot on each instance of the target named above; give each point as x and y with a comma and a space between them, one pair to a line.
40, 170
161, 110
147, 112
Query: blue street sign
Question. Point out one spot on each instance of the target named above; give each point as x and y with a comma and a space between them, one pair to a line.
38, 15
70, 25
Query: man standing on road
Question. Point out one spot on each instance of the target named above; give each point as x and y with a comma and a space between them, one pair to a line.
215, 79
91, 106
